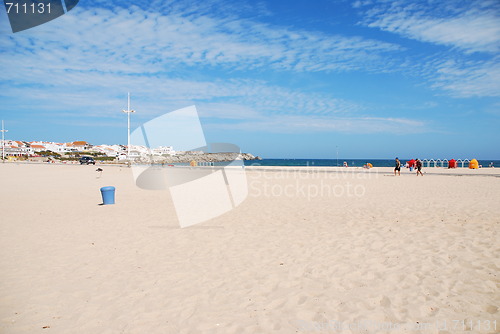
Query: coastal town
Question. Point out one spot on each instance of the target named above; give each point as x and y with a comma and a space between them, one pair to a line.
19, 150
43, 151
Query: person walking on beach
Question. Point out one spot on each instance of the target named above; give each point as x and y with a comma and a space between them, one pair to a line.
397, 168
418, 164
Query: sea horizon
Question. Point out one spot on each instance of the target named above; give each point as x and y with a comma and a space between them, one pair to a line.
300, 162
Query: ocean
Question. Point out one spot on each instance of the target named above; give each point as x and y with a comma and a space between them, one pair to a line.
352, 162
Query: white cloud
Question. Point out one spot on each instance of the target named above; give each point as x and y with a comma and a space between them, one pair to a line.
134, 40
147, 52
468, 79
468, 65
83, 62
101, 94
315, 124
472, 26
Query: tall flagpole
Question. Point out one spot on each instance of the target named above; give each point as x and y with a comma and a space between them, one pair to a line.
128, 111
337, 155
3, 142
128, 125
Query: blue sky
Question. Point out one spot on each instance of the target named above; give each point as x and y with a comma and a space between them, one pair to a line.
281, 79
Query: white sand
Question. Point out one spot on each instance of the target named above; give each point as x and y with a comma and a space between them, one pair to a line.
302, 253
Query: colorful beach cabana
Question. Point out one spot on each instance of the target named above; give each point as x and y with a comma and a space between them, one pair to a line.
411, 164
473, 164
452, 163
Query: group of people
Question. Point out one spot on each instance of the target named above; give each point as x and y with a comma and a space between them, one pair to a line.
411, 164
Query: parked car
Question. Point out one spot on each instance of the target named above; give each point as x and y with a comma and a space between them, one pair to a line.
87, 161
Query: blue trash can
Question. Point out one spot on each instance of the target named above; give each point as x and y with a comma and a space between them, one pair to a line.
108, 195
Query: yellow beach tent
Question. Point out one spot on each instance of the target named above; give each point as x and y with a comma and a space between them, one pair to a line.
473, 164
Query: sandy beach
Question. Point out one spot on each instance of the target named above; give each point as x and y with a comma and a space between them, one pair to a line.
327, 250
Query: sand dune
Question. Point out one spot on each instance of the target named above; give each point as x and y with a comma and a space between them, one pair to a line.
309, 250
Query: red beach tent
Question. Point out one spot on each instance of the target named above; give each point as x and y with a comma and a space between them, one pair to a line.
452, 163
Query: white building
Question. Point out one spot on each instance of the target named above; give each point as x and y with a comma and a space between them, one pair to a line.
79, 145
38, 147
53, 147
18, 148
17, 151
109, 151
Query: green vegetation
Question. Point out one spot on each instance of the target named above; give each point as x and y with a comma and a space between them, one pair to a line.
48, 153
75, 156
105, 158
93, 154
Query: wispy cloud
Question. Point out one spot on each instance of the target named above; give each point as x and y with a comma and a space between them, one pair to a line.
153, 54
468, 31
184, 54
317, 124
472, 26
102, 94
143, 41
468, 78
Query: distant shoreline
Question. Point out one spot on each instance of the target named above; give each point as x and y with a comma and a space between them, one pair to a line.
382, 171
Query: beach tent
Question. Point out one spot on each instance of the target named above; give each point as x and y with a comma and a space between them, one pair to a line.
473, 164
411, 164
452, 163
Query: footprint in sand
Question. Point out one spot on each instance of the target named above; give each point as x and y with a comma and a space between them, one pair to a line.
385, 302
491, 309
302, 300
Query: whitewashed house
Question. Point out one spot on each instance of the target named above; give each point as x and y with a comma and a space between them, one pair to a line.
38, 148
17, 151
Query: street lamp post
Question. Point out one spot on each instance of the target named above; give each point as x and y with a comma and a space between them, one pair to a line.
128, 111
337, 155
3, 142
